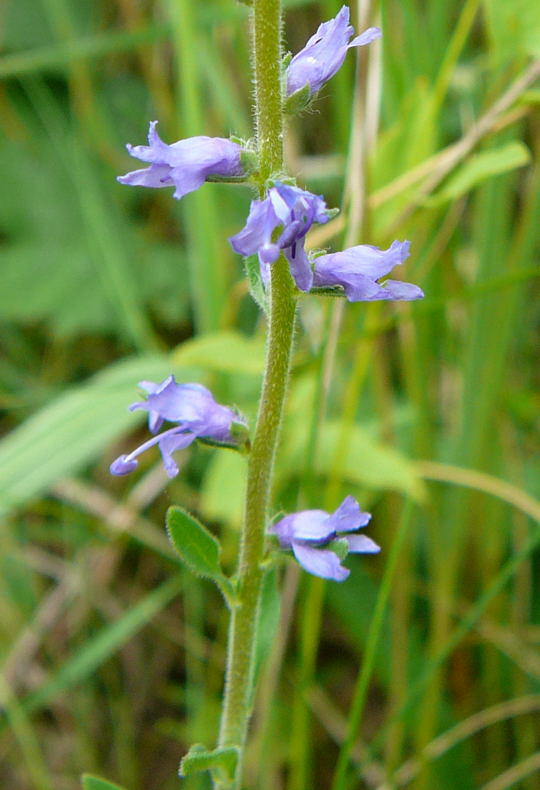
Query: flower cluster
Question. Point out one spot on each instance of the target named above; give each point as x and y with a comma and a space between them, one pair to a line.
197, 415
320, 540
276, 225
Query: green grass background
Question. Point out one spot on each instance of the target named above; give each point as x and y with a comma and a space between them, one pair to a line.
111, 655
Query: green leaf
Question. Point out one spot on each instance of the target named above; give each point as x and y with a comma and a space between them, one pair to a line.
90, 782
223, 352
363, 461
220, 762
197, 548
256, 288
222, 495
480, 167
513, 28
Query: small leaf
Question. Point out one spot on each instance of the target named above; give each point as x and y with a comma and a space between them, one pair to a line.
95, 783
220, 762
256, 287
197, 547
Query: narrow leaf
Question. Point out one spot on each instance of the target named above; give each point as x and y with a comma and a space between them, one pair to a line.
480, 167
96, 783
105, 644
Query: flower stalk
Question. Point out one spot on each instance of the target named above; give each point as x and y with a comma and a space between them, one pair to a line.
266, 32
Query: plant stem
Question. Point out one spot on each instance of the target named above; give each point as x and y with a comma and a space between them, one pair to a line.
241, 647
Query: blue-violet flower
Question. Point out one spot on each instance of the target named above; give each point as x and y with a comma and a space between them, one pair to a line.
295, 211
357, 270
186, 164
308, 531
325, 52
198, 415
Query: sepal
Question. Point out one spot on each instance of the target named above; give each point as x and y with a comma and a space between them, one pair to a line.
339, 546
298, 101
240, 439
331, 290
249, 160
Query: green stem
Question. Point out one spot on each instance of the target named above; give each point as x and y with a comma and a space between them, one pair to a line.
241, 646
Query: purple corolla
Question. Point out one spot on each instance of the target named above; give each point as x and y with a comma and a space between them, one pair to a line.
197, 415
357, 270
325, 52
186, 164
294, 211
320, 540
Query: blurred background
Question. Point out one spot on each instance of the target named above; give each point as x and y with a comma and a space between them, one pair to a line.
111, 654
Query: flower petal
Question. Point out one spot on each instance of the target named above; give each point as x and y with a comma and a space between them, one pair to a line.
369, 35
257, 232
306, 525
348, 516
300, 266
405, 292
169, 444
320, 562
155, 176
360, 544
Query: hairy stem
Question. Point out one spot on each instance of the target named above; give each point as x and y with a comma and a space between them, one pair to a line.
241, 646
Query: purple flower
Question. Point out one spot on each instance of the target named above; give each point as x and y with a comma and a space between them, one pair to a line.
198, 415
186, 164
357, 270
295, 211
325, 52
308, 531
